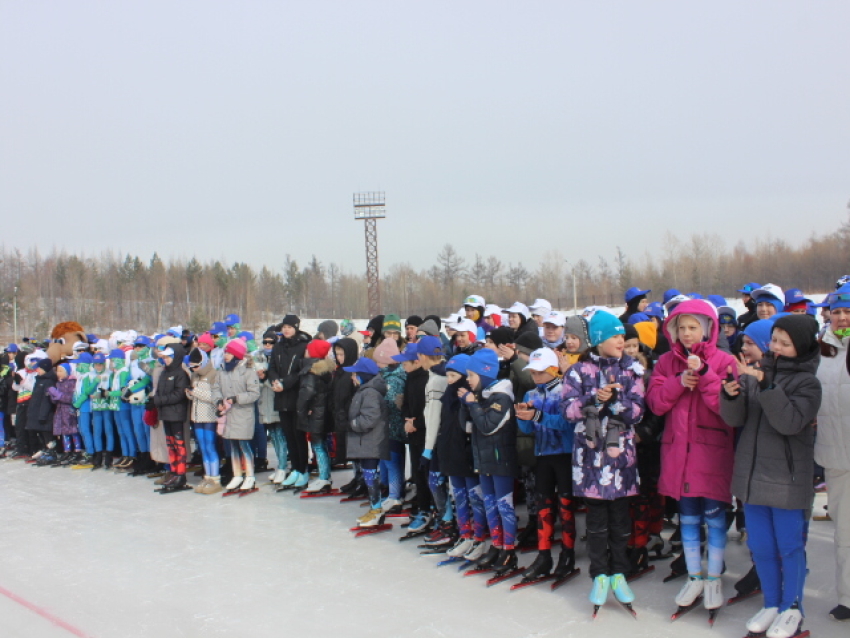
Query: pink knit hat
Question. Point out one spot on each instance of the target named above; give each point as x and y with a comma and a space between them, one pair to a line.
236, 347
385, 352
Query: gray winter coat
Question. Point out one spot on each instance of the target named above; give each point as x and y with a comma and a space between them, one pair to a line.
369, 422
241, 382
774, 459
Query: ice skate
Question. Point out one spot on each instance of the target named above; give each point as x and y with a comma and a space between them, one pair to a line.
540, 568
713, 597
476, 551
371, 518
278, 477
689, 596
788, 624
566, 568
506, 567
460, 548
318, 486
289, 481
485, 563
212, 486
599, 592
249, 486
176, 484
761, 622
233, 486
202, 484
639, 557
747, 587
301, 482
840, 613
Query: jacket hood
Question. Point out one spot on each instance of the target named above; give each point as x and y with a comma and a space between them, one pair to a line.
318, 367
179, 353
351, 349
298, 337
503, 385
697, 307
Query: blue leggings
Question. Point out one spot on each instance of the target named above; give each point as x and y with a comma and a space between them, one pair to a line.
84, 425
499, 507
372, 480
103, 424
693, 511
141, 431
392, 471
279, 443
205, 435
438, 485
260, 442
125, 430
2, 429
776, 538
469, 500
241, 457
323, 459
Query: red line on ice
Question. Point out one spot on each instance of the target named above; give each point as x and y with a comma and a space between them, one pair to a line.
43, 613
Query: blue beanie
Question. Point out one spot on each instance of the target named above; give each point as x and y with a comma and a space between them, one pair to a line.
66, 367
485, 364
459, 363
603, 326
759, 331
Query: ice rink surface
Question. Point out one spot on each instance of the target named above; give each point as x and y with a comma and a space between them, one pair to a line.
101, 555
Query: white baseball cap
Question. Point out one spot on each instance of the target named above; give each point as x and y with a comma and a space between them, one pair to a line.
768, 289
474, 300
556, 319
519, 309
492, 309
465, 325
542, 359
540, 307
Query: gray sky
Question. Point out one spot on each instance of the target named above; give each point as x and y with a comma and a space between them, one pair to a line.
241, 129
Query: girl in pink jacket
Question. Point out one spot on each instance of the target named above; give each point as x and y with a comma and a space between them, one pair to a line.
697, 446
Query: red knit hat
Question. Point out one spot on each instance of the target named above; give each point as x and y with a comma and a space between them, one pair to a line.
318, 349
207, 339
236, 347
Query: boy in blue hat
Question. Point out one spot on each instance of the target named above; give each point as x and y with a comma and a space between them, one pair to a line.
368, 438
490, 408
636, 301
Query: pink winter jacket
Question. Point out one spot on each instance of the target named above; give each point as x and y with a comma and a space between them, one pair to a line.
697, 446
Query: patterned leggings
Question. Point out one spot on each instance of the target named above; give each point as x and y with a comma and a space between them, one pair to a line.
176, 446
499, 507
469, 501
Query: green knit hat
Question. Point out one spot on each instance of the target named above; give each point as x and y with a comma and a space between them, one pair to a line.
391, 322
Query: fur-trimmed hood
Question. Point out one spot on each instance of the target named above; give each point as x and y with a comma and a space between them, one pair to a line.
318, 366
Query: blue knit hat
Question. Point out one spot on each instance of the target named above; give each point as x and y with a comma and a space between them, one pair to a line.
485, 364
459, 363
603, 326
759, 331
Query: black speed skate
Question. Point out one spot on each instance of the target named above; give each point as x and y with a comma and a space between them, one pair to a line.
176, 484
747, 587
486, 563
678, 568
540, 571
506, 567
566, 569
640, 566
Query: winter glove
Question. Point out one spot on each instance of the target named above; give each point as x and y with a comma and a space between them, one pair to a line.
125, 395
768, 368
592, 425
149, 404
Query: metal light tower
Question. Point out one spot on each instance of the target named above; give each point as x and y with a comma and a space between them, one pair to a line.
370, 207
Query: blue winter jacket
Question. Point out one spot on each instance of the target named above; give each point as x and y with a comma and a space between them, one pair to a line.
553, 434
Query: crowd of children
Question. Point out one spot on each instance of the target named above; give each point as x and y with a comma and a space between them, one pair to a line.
674, 411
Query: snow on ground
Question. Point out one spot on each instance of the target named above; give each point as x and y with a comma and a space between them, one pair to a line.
105, 556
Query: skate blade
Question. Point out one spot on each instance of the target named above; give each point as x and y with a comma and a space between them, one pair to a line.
398, 514
246, 492
321, 494
449, 561
230, 492
369, 531
511, 573
640, 574
674, 576
628, 607
681, 611
530, 583
164, 490
566, 579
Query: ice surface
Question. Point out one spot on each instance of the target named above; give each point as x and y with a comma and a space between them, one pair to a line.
111, 558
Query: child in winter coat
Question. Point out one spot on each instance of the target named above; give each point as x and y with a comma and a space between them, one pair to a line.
346, 352
605, 386
490, 408
104, 426
539, 413
120, 407
368, 437
65, 417
392, 471
775, 405
235, 391
697, 446
269, 417
204, 418
312, 407
136, 394
85, 385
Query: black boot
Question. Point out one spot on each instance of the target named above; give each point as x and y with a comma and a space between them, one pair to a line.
506, 561
349, 487
489, 559
97, 461
566, 562
107, 460
140, 465
639, 558
749, 584
542, 566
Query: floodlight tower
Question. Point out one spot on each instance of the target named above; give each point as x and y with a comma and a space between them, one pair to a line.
370, 207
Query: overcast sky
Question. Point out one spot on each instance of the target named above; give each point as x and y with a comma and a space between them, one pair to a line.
240, 130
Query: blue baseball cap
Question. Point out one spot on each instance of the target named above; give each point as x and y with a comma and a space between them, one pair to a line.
695, 295
840, 298
639, 317
84, 357
458, 363
430, 346
92, 338
142, 340
12, 347
748, 288
231, 320
117, 354
795, 295
655, 309
717, 300
411, 353
247, 336
634, 291
364, 364
218, 328
99, 358
670, 293
759, 331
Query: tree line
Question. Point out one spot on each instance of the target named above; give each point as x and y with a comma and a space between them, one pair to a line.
119, 291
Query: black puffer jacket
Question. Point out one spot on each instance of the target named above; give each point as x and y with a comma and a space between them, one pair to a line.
494, 430
285, 366
342, 387
453, 451
41, 408
414, 404
774, 459
313, 393
170, 397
